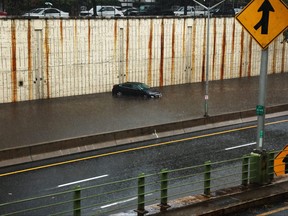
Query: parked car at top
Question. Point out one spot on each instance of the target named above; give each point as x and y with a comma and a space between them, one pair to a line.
130, 11
103, 11
238, 10
46, 12
191, 11
135, 89
3, 14
155, 10
124, 8
226, 11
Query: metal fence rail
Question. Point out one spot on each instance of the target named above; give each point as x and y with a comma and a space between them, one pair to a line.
133, 194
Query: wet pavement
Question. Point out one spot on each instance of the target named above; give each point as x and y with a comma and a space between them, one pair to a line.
35, 122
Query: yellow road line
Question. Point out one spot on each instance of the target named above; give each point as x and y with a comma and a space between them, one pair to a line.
134, 149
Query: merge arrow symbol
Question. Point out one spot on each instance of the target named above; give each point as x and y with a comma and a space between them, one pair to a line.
266, 7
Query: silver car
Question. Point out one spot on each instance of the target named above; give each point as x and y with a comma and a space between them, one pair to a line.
191, 11
103, 11
46, 12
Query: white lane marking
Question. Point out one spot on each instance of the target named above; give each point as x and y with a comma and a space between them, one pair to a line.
240, 146
120, 202
80, 181
116, 203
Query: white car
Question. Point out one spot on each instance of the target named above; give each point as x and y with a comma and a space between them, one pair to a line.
237, 10
191, 11
103, 11
46, 12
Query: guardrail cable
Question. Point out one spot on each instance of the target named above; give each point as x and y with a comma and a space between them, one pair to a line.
148, 188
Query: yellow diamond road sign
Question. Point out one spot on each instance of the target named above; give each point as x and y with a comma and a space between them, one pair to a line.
264, 20
281, 162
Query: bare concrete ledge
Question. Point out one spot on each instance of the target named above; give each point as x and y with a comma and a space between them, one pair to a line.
113, 138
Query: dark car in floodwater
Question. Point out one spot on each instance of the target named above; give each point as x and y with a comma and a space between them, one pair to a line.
135, 89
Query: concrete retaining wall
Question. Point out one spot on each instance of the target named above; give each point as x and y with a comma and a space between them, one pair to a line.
48, 58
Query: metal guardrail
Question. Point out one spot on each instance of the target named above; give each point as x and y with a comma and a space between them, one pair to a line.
135, 193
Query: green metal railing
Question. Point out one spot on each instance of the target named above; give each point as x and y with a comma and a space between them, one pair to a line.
134, 194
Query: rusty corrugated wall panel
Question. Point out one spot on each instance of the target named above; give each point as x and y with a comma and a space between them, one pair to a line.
13, 61
47, 58
55, 58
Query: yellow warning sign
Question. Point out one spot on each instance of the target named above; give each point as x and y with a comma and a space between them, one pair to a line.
264, 20
281, 162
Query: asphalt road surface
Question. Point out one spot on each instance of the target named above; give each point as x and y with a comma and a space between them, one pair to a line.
113, 164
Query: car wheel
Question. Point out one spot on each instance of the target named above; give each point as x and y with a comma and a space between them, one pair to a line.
119, 94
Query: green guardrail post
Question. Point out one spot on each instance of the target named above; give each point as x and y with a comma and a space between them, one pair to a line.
270, 168
259, 168
207, 178
141, 196
77, 202
164, 190
245, 170
255, 168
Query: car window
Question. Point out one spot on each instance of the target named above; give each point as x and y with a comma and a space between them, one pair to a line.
126, 85
102, 9
107, 9
51, 10
35, 11
143, 86
190, 8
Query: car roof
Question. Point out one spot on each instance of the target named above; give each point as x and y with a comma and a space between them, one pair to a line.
135, 83
98, 7
131, 83
38, 9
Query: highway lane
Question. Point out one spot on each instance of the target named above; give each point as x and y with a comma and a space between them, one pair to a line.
112, 164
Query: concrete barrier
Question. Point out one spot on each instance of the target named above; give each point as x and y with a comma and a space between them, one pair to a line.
114, 138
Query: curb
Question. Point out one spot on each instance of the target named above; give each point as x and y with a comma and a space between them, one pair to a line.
74, 145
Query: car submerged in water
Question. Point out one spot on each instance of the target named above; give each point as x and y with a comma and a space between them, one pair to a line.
135, 89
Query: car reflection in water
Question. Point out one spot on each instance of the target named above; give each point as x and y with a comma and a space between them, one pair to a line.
135, 89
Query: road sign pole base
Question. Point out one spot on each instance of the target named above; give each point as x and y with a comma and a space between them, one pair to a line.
163, 207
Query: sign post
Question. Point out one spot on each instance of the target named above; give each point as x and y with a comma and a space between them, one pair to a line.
260, 108
207, 53
264, 20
